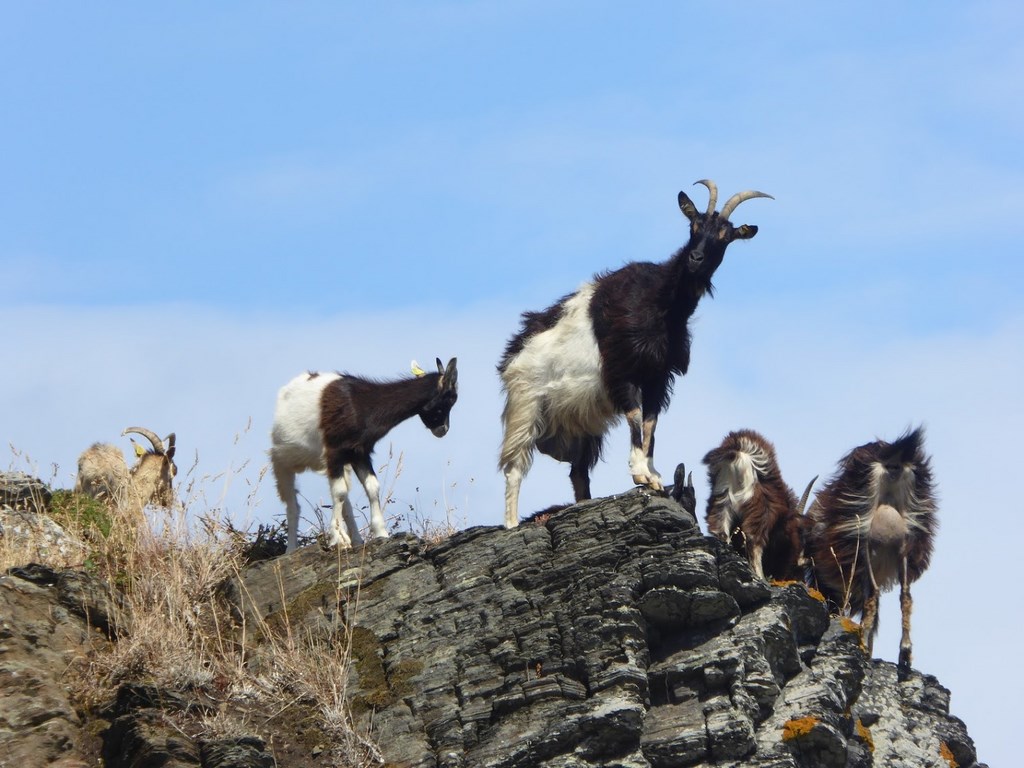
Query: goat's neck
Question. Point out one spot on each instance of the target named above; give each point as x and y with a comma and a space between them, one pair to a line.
403, 399
683, 290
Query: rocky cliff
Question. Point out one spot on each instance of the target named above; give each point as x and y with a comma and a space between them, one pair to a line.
612, 634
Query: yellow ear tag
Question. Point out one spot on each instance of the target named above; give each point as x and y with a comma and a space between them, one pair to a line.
139, 450
416, 370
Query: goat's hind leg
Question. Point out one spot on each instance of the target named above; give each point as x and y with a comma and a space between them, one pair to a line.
521, 428
284, 478
582, 454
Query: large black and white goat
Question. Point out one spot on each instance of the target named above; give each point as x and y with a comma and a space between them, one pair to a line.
612, 348
872, 527
330, 422
752, 508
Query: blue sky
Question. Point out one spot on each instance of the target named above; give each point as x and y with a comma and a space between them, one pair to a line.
201, 201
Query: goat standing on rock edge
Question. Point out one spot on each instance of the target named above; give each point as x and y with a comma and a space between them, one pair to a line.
614, 347
330, 422
872, 526
752, 508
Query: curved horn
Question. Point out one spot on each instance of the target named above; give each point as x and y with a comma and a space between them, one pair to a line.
807, 495
739, 197
712, 192
158, 444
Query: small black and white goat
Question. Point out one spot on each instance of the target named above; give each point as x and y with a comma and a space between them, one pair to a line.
330, 422
612, 348
872, 527
751, 507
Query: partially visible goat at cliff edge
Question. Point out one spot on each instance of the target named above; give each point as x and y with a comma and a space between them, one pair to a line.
872, 526
614, 347
104, 474
331, 422
752, 508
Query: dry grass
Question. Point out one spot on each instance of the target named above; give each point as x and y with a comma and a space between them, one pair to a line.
169, 567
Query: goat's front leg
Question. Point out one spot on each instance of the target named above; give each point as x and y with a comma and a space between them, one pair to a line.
755, 555
641, 435
869, 624
378, 529
341, 488
906, 606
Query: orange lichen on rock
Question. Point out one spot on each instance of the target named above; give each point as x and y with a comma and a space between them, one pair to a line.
865, 735
849, 624
797, 727
816, 594
947, 755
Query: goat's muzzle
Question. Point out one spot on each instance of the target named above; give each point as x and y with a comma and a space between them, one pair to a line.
695, 261
440, 431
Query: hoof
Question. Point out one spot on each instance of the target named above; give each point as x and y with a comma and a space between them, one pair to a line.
653, 483
903, 665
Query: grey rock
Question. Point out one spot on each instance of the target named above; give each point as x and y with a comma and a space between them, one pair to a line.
21, 491
613, 634
39, 639
146, 738
38, 536
244, 752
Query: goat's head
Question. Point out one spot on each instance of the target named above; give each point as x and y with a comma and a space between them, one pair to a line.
436, 411
897, 467
711, 231
902, 455
154, 470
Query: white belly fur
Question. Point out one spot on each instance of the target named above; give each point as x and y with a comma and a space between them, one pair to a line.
563, 366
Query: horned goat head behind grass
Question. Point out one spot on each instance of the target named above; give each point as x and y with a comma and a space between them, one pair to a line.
873, 526
613, 348
104, 474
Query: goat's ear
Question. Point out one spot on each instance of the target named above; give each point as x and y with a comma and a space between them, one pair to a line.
687, 207
450, 375
744, 232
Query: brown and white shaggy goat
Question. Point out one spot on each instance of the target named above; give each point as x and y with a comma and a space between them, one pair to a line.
330, 422
872, 527
104, 474
613, 348
751, 507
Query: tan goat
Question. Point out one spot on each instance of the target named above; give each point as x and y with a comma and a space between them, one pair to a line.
104, 474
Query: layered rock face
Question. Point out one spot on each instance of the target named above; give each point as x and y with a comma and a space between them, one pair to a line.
613, 634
